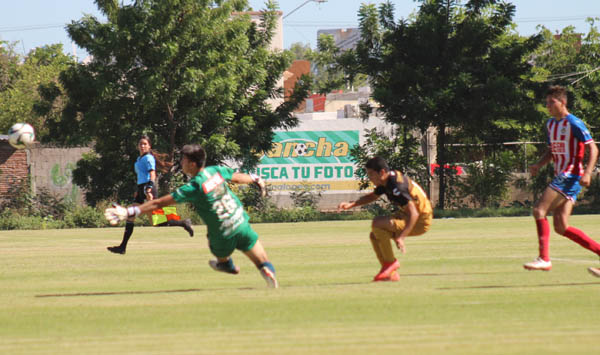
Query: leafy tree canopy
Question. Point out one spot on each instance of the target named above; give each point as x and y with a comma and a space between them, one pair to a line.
573, 60
182, 71
457, 67
19, 82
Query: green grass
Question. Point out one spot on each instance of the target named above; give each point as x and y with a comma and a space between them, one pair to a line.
462, 291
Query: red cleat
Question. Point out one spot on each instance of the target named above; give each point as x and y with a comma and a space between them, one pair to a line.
386, 271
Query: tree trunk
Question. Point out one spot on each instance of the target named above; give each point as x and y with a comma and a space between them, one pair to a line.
172, 132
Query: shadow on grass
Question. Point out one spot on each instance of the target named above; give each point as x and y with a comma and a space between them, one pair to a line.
78, 294
454, 273
520, 286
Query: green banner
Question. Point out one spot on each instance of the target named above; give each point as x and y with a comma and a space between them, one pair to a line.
311, 147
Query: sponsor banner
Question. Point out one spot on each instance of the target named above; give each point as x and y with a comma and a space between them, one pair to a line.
311, 147
314, 186
310, 160
274, 173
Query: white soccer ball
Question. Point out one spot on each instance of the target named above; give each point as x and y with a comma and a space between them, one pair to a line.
21, 135
300, 149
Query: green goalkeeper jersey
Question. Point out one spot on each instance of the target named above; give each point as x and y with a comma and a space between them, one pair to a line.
216, 204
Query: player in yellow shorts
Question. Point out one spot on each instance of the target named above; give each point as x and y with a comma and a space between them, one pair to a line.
413, 219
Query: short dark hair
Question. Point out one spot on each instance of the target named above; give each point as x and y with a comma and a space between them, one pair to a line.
195, 153
377, 164
557, 92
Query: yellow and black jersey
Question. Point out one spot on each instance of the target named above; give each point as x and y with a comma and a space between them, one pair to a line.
400, 189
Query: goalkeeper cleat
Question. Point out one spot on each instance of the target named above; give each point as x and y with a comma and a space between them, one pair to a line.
269, 277
226, 266
386, 270
594, 271
116, 249
538, 264
187, 225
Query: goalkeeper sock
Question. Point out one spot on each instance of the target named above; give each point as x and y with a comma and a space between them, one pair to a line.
127, 234
268, 265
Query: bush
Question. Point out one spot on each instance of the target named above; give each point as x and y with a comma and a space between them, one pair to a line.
486, 182
11, 219
85, 217
482, 212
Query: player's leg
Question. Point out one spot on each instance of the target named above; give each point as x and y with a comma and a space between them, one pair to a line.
121, 248
594, 271
421, 227
550, 199
224, 265
222, 248
383, 229
376, 248
247, 241
184, 223
258, 256
375, 244
561, 226
139, 198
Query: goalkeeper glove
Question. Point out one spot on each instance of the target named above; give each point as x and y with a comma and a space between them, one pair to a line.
258, 181
118, 213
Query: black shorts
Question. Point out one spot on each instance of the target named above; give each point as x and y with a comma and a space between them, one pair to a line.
141, 193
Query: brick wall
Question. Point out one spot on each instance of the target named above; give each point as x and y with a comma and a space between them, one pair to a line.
14, 167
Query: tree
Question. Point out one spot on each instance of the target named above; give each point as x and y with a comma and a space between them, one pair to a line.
399, 149
9, 61
300, 51
41, 66
572, 59
335, 69
454, 67
183, 71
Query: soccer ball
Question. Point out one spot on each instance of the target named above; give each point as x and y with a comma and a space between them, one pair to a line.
21, 135
300, 149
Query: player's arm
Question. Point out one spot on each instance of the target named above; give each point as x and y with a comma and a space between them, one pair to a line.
150, 185
412, 214
591, 164
363, 200
544, 159
118, 213
241, 178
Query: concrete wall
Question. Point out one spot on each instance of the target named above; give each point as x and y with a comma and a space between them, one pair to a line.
51, 170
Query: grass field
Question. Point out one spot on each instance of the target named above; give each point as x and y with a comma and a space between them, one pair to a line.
462, 291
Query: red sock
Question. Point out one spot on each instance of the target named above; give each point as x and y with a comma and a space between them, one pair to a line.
543, 231
582, 239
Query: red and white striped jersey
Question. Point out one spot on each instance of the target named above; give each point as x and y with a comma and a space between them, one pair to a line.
567, 138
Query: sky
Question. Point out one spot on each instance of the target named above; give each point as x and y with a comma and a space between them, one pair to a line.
34, 23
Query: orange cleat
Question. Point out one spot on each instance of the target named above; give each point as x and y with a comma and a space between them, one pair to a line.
386, 271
